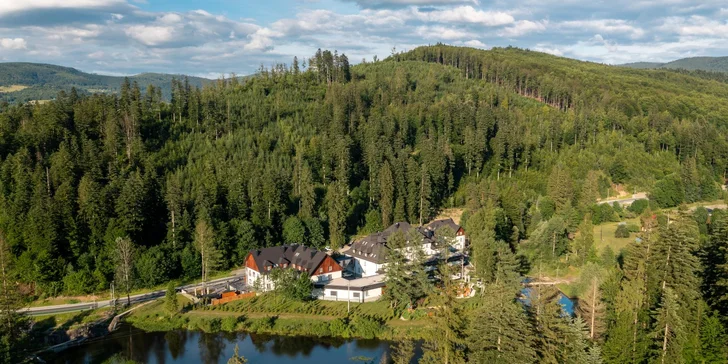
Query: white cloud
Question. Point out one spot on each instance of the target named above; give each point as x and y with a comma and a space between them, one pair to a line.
696, 26
604, 26
550, 50
474, 43
442, 33
10, 6
466, 14
523, 27
151, 35
390, 3
13, 43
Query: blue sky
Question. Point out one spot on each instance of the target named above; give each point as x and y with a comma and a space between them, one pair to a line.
215, 37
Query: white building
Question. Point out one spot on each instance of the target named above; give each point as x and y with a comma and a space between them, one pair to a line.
318, 265
355, 290
370, 253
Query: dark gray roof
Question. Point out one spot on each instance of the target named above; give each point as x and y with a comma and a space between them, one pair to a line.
308, 258
374, 247
437, 224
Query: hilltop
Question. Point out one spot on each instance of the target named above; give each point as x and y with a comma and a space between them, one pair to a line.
21, 81
710, 64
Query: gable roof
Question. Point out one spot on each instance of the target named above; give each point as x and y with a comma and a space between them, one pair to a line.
301, 256
373, 247
437, 224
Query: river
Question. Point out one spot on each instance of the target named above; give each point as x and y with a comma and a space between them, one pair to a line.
196, 347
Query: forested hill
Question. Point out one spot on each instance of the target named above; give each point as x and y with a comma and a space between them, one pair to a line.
523, 141
20, 82
710, 64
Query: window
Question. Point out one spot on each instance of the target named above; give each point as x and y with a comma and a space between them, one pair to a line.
334, 293
356, 294
331, 268
321, 270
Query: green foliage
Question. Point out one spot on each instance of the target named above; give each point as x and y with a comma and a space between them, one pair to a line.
237, 358
171, 304
294, 231
639, 206
602, 213
622, 231
668, 192
292, 284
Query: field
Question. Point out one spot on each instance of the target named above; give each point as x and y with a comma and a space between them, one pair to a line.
604, 236
12, 88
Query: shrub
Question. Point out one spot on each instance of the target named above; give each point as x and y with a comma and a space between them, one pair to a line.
621, 231
339, 327
639, 206
366, 327
633, 228
230, 324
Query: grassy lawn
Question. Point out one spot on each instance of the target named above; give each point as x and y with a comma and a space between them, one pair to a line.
604, 236
275, 315
69, 320
272, 304
103, 296
157, 307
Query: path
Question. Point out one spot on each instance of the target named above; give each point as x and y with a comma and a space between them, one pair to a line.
143, 297
626, 201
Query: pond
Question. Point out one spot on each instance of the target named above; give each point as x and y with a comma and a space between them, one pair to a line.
196, 347
567, 304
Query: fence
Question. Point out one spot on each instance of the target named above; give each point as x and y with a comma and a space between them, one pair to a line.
230, 298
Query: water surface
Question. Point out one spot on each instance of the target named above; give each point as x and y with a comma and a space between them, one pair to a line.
182, 346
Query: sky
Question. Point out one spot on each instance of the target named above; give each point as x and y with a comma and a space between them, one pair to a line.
215, 37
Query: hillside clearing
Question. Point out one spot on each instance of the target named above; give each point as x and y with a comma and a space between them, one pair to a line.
12, 88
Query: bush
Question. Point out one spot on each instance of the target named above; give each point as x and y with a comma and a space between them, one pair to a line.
621, 231
340, 328
366, 327
639, 206
633, 228
230, 324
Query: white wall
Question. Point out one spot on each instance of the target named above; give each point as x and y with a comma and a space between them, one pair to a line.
367, 268
353, 296
326, 276
267, 284
459, 243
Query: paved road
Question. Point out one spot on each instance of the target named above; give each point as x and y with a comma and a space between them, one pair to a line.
626, 201
73, 307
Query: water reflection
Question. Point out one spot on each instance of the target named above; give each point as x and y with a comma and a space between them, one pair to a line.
196, 347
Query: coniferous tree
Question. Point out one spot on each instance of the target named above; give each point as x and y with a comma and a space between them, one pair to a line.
13, 325
386, 190
499, 331
337, 209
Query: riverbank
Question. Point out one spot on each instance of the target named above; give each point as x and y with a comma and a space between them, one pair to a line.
270, 315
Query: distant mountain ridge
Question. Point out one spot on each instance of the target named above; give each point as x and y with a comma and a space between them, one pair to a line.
711, 64
21, 81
